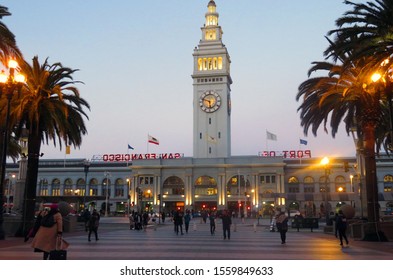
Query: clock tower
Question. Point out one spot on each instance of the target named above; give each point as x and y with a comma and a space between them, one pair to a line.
212, 91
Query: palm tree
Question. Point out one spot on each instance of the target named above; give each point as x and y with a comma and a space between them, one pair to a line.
343, 94
51, 109
8, 47
365, 31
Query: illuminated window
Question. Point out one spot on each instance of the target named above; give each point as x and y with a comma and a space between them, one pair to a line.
293, 185
206, 185
210, 63
388, 183
210, 35
173, 185
340, 184
80, 187
56, 187
309, 186
93, 187
323, 184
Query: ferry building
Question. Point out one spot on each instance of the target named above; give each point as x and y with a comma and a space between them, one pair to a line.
212, 179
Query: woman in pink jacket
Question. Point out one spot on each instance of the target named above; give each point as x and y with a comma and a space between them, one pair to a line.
49, 233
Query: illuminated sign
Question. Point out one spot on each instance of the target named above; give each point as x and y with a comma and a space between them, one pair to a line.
287, 154
131, 157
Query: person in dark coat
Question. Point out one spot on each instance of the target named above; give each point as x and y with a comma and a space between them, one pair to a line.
226, 224
187, 219
86, 217
341, 226
93, 224
282, 226
178, 218
212, 219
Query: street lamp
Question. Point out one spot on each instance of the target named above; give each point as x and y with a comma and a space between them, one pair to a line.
325, 163
107, 174
128, 196
86, 166
9, 84
376, 78
9, 190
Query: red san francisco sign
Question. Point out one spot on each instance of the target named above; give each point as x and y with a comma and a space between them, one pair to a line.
131, 157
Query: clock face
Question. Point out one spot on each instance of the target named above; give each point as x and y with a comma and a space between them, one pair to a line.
210, 101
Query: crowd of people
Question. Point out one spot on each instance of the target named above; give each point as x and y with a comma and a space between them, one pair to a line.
48, 228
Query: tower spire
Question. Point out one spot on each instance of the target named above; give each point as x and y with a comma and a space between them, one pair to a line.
211, 15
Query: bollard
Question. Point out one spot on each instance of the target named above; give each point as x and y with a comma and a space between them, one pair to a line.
255, 227
234, 227
194, 226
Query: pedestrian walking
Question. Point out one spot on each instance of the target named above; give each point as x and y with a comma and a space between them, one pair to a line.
49, 232
138, 221
86, 217
187, 219
178, 219
341, 226
93, 224
145, 220
226, 224
212, 219
132, 222
282, 226
37, 223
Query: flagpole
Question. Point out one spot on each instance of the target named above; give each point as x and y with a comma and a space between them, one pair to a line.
300, 147
267, 148
128, 151
147, 148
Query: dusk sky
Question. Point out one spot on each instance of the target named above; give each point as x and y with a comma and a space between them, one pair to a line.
135, 59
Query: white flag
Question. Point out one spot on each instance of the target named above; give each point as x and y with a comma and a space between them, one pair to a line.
271, 136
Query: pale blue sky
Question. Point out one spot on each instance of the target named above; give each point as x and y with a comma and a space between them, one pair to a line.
135, 58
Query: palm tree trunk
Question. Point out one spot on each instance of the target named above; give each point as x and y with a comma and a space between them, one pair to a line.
29, 205
371, 177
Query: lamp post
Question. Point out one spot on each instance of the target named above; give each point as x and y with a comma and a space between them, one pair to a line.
325, 163
377, 78
9, 190
238, 194
128, 196
107, 174
86, 166
9, 84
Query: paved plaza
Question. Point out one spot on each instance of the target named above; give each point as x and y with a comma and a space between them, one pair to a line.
249, 241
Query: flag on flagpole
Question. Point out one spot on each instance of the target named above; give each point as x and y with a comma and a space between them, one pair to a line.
68, 150
129, 147
303, 142
271, 136
153, 140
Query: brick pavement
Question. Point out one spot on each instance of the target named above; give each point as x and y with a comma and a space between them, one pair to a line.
248, 242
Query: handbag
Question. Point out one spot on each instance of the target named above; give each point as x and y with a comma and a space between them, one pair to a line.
60, 253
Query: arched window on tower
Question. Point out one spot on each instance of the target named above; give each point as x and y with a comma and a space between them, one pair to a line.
220, 63
200, 64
